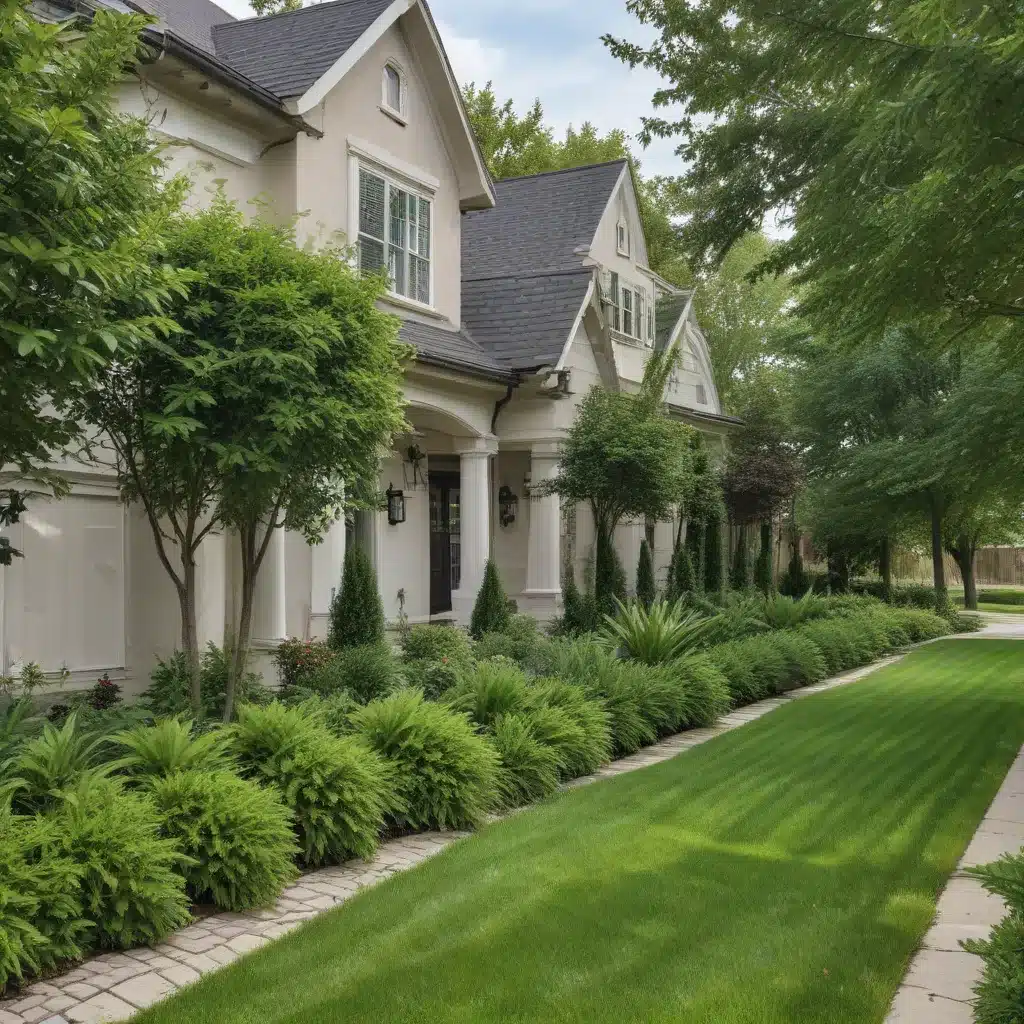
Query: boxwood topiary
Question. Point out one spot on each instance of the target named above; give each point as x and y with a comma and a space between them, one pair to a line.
238, 835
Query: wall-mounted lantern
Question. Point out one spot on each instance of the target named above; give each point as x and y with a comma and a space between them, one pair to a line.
396, 506
508, 506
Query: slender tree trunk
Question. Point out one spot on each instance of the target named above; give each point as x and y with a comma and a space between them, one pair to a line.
938, 560
965, 554
885, 566
190, 632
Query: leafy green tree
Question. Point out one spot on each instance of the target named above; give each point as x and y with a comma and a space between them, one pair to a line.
356, 612
626, 460
82, 281
491, 612
889, 133
646, 591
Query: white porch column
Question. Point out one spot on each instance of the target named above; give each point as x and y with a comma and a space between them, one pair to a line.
475, 519
543, 594
328, 561
211, 589
269, 621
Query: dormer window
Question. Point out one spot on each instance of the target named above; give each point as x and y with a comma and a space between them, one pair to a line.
622, 238
394, 97
630, 310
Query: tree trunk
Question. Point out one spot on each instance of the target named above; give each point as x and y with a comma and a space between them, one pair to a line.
965, 553
885, 566
190, 632
938, 561
247, 543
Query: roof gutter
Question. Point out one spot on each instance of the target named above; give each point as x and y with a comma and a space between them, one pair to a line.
174, 45
507, 377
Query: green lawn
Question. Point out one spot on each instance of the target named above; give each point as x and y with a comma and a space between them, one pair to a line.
781, 874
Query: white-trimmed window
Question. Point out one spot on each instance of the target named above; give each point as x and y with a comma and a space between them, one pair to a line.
628, 322
613, 299
702, 395
630, 310
622, 238
394, 232
394, 90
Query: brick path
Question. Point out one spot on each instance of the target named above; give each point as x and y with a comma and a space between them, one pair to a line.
111, 987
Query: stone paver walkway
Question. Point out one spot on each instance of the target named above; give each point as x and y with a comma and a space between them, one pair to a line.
113, 986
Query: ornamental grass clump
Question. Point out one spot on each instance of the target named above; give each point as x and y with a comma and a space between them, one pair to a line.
657, 634
530, 768
337, 788
494, 688
237, 835
445, 773
704, 694
588, 749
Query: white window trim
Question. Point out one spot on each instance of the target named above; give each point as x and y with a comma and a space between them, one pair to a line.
395, 173
622, 249
640, 334
401, 114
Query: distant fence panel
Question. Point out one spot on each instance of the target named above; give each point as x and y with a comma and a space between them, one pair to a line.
998, 566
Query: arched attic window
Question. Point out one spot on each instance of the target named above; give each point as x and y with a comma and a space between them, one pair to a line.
394, 91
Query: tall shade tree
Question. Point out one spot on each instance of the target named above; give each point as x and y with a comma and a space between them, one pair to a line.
284, 381
514, 145
82, 280
626, 459
889, 133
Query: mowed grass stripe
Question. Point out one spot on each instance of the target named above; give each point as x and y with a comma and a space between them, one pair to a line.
784, 872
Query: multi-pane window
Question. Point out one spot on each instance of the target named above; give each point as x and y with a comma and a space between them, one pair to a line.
630, 310
702, 395
394, 232
627, 311
613, 298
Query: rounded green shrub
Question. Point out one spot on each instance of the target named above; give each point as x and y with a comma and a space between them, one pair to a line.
919, 625
732, 659
446, 775
237, 834
41, 919
530, 768
767, 661
437, 643
588, 713
839, 645
336, 787
704, 691
804, 661
434, 678
659, 696
493, 688
368, 672
131, 889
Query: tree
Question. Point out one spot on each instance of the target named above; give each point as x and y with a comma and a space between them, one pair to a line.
283, 382
739, 572
681, 581
646, 592
764, 578
265, 7
889, 134
626, 460
742, 319
713, 557
490, 613
82, 281
514, 145
356, 612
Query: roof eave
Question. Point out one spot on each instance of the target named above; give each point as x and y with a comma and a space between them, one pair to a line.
170, 43
497, 373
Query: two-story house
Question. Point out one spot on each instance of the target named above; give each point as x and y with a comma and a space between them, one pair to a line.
519, 296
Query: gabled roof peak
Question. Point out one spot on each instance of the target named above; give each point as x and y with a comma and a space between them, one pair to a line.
620, 162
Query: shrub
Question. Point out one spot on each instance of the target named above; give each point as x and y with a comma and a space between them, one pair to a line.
445, 774
530, 769
337, 788
131, 891
434, 678
356, 613
1000, 992
804, 661
704, 691
367, 672
494, 688
169, 746
519, 642
169, 691
41, 920
919, 625
682, 581
746, 684
333, 711
52, 763
844, 643
713, 557
589, 714
764, 577
646, 591
238, 835
741, 615
579, 610
656, 635
1001, 597
959, 623
779, 612
437, 643
913, 595
296, 659
490, 613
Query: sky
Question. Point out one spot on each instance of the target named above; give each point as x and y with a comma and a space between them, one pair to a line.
551, 50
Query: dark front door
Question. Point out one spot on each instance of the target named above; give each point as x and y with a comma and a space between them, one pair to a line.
445, 560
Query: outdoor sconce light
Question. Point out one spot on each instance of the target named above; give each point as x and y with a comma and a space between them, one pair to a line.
508, 506
396, 506
527, 483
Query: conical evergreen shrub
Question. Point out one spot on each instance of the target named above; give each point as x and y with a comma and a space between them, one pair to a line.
357, 615
739, 574
713, 558
763, 576
490, 613
609, 576
695, 543
795, 581
574, 615
646, 591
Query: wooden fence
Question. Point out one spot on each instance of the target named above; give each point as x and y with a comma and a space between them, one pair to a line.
992, 567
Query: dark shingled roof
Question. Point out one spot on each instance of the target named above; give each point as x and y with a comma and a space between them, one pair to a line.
539, 222
192, 20
286, 53
524, 322
456, 349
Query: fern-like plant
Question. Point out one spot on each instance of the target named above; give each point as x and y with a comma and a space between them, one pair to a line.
445, 773
338, 789
494, 688
530, 768
656, 635
590, 715
238, 836
170, 746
